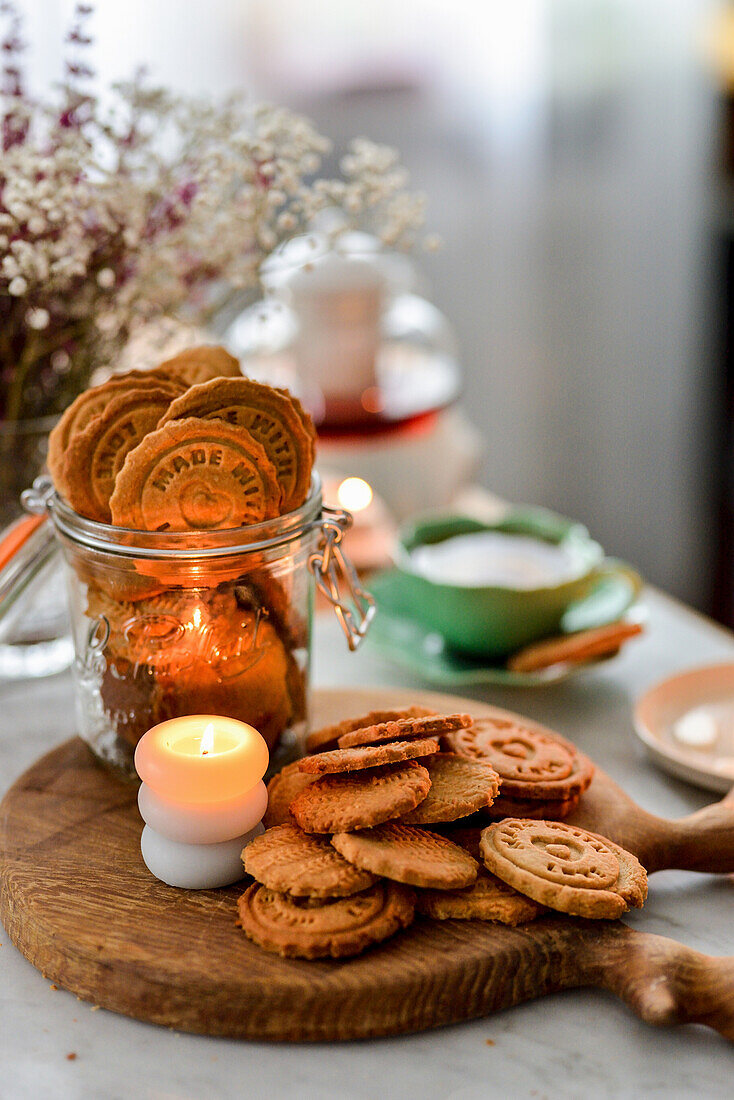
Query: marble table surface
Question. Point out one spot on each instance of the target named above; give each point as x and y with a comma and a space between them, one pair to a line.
577, 1043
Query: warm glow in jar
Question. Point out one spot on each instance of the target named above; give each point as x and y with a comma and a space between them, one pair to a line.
168, 624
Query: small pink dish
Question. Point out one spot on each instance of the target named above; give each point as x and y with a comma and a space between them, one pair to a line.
686, 723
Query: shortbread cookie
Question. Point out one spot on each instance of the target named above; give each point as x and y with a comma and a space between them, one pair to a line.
459, 787
399, 729
268, 415
530, 764
195, 475
303, 865
346, 926
360, 800
367, 756
305, 419
192, 366
487, 899
327, 737
564, 867
585, 645
282, 789
406, 854
92, 403
557, 809
95, 455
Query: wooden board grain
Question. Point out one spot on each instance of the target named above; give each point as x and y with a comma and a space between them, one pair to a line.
77, 900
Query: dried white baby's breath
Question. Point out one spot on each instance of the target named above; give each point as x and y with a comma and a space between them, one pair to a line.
113, 215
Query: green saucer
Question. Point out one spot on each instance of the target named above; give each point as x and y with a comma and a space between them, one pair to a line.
401, 639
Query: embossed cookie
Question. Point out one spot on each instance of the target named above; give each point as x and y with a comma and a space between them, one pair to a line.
530, 764
200, 364
195, 475
282, 789
367, 756
346, 926
564, 867
431, 725
303, 865
585, 645
90, 404
268, 415
406, 854
95, 455
487, 899
328, 736
360, 800
459, 787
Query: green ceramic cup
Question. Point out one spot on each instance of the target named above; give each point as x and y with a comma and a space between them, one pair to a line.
494, 621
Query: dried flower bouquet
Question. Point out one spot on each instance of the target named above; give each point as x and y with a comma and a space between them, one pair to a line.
119, 208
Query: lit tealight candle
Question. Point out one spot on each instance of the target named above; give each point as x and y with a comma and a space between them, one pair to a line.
370, 540
202, 798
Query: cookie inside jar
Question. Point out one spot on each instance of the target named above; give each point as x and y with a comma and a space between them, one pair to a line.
188, 534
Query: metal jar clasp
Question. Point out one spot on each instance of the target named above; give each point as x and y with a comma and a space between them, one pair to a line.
332, 569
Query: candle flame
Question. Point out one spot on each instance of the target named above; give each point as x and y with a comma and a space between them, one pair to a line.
197, 617
207, 739
354, 494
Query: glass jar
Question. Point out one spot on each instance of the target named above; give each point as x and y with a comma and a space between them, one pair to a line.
35, 640
215, 622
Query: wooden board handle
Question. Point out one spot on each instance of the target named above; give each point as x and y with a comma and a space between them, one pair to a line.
663, 982
704, 841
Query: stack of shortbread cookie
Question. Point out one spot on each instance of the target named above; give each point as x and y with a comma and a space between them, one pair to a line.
542, 777
352, 850
189, 446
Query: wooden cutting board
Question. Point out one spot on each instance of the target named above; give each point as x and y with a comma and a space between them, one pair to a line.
78, 902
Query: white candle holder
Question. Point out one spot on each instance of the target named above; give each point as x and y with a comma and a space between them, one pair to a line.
195, 866
202, 799
202, 822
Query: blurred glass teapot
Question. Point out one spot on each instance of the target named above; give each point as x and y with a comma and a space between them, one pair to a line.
342, 324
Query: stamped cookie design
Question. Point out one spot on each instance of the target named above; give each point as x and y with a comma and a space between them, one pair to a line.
95, 455
564, 867
517, 753
340, 928
195, 475
302, 865
530, 764
268, 415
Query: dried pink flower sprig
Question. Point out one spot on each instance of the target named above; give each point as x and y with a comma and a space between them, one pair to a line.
150, 204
